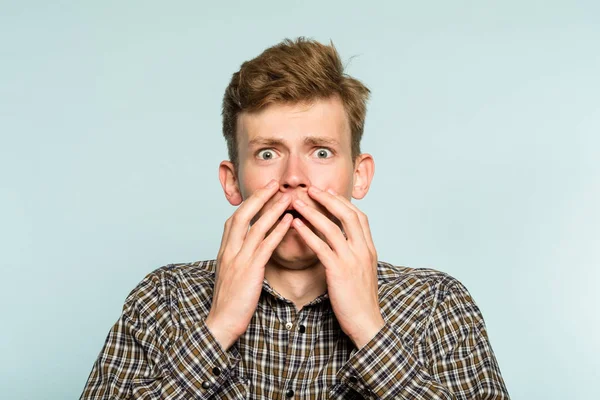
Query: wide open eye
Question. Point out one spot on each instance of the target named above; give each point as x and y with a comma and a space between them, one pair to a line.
323, 153
266, 154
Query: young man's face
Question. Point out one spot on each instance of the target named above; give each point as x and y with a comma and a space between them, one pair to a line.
300, 145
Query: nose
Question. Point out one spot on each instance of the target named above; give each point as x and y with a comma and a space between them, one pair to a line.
294, 174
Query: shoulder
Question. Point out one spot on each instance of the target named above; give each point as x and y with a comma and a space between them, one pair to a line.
175, 285
197, 274
392, 277
411, 297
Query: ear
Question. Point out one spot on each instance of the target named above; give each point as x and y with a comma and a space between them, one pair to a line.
230, 183
364, 169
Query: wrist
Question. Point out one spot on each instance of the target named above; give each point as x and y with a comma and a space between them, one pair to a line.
221, 334
367, 332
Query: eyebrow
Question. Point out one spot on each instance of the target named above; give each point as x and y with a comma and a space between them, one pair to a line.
309, 140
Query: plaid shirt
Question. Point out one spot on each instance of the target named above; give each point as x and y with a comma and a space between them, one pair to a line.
434, 345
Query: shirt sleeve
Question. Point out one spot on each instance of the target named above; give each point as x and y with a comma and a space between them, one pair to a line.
148, 354
457, 361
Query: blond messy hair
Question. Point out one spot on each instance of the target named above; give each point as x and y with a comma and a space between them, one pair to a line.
293, 71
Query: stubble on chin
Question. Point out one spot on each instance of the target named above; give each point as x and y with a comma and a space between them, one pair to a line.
293, 253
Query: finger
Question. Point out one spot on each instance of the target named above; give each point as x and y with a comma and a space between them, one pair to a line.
267, 246
321, 249
331, 231
347, 216
226, 230
266, 221
364, 221
240, 220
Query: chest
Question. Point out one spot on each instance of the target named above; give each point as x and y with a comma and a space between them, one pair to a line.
285, 355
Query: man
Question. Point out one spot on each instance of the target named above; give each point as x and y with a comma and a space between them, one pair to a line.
296, 305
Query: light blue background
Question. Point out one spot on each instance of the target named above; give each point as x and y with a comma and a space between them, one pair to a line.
484, 123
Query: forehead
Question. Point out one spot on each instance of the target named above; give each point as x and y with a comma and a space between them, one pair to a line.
291, 123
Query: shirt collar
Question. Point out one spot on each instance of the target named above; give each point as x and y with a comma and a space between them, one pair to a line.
274, 294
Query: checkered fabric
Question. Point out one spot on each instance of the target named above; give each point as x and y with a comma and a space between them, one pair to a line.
434, 345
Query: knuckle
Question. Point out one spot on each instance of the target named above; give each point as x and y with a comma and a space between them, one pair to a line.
354, 215
364, 217
361, 215
329, 230
322, 247
262, 193
348, 214
259, 226
236, 218
264, 246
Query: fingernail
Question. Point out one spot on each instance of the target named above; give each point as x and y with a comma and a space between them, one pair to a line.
272, 184
298, 221
316, 189
299, 203
285, 198
331, 191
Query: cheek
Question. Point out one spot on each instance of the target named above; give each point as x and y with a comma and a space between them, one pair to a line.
249, 184
253, 177
341, 183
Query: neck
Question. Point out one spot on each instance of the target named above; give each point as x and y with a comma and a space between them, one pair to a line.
300, 286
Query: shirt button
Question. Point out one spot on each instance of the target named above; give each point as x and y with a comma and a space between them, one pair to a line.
289, 393
301, 329
217, 371
352, 379
205, 385
288, 326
